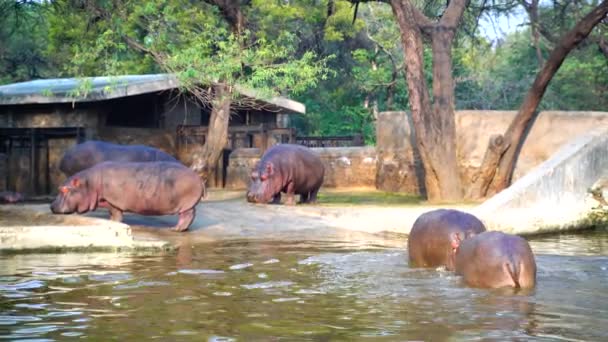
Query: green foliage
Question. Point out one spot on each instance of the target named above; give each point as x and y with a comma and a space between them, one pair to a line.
22, 42
191, 40
499, 77
342, 71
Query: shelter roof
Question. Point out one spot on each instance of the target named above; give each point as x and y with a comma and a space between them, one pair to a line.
64, 90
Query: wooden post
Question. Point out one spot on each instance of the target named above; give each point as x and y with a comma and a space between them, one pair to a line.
32, 161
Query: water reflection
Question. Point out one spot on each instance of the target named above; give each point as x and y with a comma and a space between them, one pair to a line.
298, 290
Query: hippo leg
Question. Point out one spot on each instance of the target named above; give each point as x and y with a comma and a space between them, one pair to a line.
304, 197
276, 199
185, 219
115, 213
291, 194
313, 196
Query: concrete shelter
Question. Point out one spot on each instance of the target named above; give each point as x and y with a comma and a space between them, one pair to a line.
40, 119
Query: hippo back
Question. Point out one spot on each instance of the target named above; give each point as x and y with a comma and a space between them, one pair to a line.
495, 259
430, 239
90, 153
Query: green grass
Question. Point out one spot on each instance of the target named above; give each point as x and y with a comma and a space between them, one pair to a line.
368, 198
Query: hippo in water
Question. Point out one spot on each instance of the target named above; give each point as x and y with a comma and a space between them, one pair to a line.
151, 188
430, 240
292, 169
494, 260
89, 153
11, 197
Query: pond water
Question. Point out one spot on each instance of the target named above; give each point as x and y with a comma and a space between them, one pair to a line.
250, 291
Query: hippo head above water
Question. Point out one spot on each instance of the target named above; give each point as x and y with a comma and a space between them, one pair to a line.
74, 196
264, 185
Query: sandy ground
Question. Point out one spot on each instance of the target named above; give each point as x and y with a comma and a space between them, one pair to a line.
225, 215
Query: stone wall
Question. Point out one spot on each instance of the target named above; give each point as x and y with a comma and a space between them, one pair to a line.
554, 196
56, 115
397, 170
398, 167
551, 130
344, 166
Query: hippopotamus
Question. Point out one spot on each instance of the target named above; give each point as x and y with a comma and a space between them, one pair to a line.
430, 240
288, 168
89, 153
11, 197
495, 259
149, 188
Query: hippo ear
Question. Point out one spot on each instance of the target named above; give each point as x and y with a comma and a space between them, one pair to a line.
64, 189
455, 241
75, 182
269, 168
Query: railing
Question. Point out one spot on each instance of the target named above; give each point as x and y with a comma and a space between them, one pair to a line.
335, 141
259, 136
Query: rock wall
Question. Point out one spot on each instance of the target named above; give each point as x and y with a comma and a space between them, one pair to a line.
344, 166
399, 167
551, 130
554, 196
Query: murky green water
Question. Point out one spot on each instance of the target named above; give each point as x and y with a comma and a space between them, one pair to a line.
298, 291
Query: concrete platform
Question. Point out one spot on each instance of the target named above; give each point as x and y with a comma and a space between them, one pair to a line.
225, 215
33, 228
555, 195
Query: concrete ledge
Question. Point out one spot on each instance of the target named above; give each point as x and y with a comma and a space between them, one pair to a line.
46, 232
553, 196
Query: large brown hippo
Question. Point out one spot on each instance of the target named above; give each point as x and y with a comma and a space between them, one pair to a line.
150, 188
89, 153
430, 241
495, 259
292, 169
11, 197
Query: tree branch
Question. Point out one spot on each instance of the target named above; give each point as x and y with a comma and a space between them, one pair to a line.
453, 13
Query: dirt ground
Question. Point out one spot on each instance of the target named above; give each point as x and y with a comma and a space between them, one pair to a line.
381, 220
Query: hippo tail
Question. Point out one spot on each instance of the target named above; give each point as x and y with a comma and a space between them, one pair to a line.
512, 269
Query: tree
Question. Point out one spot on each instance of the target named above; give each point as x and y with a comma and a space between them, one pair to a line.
209, 45
22, 41
433, 118
499, 161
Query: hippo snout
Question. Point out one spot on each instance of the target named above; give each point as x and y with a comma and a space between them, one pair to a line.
55, 208
250, 197
58, 208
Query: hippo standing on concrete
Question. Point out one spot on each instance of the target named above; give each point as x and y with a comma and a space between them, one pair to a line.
292, 169
430, 240
495, 259
151, 188
89, 153
11, 197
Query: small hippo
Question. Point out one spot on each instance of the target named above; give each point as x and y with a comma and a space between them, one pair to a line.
494, 260
293, 169
150, 188
430, 240
11, 197
89, 153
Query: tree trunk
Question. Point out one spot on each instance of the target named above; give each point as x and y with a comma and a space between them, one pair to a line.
434, 126
503, 159
204, 161
442, 120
